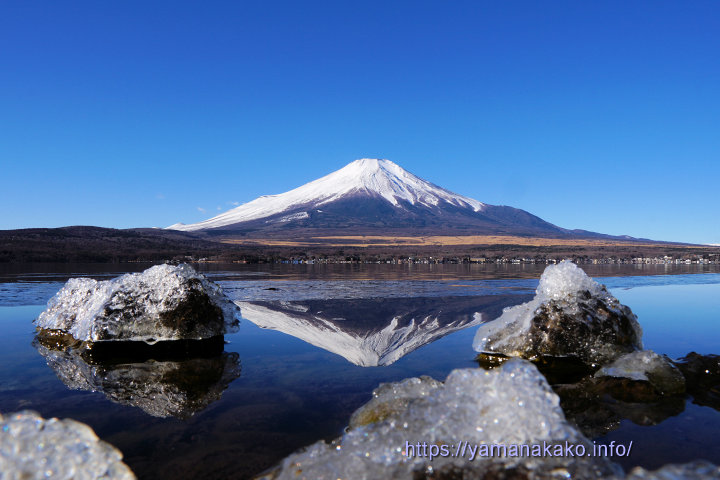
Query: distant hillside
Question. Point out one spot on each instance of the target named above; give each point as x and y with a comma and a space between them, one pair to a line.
96, 244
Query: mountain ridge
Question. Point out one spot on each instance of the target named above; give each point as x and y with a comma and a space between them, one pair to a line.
369, 196
366, 176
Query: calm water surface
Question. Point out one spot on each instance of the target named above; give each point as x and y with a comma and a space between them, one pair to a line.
315, 342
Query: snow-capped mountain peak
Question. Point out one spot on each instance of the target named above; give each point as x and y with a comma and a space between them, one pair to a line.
367, 176
394, 183
383, 344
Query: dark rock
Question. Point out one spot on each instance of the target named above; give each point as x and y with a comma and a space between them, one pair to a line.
557, 370
647, 367
702, 377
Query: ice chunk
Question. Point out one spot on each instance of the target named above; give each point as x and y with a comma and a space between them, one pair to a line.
177, 387
565, 279
646, 366
392, 398
698, 470
570, 316
511, 405
164, 302
34, 448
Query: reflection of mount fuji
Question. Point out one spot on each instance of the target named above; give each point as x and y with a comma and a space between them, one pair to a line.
378, 331
177, 387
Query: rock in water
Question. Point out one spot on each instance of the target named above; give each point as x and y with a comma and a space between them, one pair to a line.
510, 405
164, 302
647, 366
702, 377
570, 316
34, 448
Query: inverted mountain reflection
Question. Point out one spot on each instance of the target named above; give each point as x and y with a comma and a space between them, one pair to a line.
375, 331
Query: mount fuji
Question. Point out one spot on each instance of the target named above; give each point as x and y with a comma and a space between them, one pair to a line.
373, 196
374, 331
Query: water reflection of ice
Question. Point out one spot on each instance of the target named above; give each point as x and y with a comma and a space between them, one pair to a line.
178, 387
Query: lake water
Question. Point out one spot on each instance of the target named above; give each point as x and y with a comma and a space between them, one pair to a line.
315, 341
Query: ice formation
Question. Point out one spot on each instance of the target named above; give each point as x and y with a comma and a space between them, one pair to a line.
570, 316
164, 302
34, 448
561, 281
509, 405
160, 388
392, 398
698, 470
646, 366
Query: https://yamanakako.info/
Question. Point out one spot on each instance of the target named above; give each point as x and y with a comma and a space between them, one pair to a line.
471, 451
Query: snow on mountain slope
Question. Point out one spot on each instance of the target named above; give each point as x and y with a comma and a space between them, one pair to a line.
383, 346
368, 176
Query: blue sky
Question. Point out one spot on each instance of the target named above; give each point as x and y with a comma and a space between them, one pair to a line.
596, 115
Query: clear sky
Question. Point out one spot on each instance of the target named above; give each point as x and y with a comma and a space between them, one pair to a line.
597, 115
